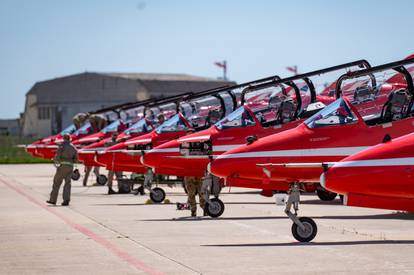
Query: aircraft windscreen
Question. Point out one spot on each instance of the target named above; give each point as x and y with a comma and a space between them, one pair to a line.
69, 130
239, 118
113, 127
174, 124
337, 113
85, 129
139, 127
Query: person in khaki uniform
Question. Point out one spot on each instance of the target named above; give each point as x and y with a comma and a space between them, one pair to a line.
98, 122
66, 156
79, 119
110, 172
193, 185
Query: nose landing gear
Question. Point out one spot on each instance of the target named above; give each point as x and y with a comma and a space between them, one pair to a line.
211, 186
304, 229
157, 194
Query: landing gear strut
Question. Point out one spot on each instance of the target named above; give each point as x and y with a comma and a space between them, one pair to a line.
214, 207
303, 229
157, 194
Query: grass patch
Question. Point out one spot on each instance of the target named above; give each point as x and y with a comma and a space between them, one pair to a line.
10, 153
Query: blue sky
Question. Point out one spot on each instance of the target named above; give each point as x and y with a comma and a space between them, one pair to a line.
48, 38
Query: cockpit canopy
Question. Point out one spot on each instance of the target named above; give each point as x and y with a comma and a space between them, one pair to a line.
337, 113
116, 126
203, 112
84, 130
174, 124
69, 130
142, 126
239, 118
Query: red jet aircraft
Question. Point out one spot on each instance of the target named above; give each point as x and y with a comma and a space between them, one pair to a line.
379, 177
46, 147
286, 160
195, 113
279, 110
141, 119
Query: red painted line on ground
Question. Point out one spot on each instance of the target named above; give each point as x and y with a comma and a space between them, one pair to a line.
85, 231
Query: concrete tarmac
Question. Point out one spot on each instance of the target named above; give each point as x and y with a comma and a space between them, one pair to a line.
120, 234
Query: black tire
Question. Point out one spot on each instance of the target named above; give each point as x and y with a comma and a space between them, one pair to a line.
215, 208
157, 195
141, 190
101, 179
124, 188
325, 195
341, 197
309, 234
75, 175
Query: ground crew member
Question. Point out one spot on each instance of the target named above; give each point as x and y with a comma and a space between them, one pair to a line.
88, 170
79, 119
161, 119
110, 172
98, 122
66, 156
212, 118
193, 185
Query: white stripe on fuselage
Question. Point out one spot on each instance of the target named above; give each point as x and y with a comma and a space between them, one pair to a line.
219, 148
140, 141
194, 139
336, 151
165, 150
376, 162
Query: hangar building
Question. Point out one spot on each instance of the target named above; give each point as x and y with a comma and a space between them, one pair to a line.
51, 104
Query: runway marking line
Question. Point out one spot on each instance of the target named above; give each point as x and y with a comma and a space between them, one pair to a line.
89, 233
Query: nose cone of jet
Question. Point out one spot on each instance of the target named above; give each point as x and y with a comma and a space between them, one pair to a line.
233, 163
242, 161
162, 156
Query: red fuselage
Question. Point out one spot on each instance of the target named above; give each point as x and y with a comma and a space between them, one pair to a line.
302, 145
167, 158
379, 177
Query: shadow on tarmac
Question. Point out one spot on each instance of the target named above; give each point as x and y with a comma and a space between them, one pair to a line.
391, 216
313, 243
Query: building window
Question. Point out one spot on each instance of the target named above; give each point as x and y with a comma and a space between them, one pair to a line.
43, 113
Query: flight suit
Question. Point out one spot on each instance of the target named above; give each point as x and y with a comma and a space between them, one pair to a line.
66, 156
98, 122
193, 185
79, 119
88, 171
110, 172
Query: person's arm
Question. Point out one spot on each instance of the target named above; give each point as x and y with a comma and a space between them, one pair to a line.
58, 155
75, 157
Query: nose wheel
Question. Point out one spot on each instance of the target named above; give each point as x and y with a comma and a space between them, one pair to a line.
304, 229
101, 179
308, 233
211, 186
157, 195
214, 207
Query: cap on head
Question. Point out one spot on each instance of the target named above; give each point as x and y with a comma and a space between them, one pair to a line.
66, 137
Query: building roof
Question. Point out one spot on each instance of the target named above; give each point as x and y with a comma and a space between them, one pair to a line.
155, 83
160, 76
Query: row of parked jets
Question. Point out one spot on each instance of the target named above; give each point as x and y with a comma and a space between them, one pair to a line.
351, 136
